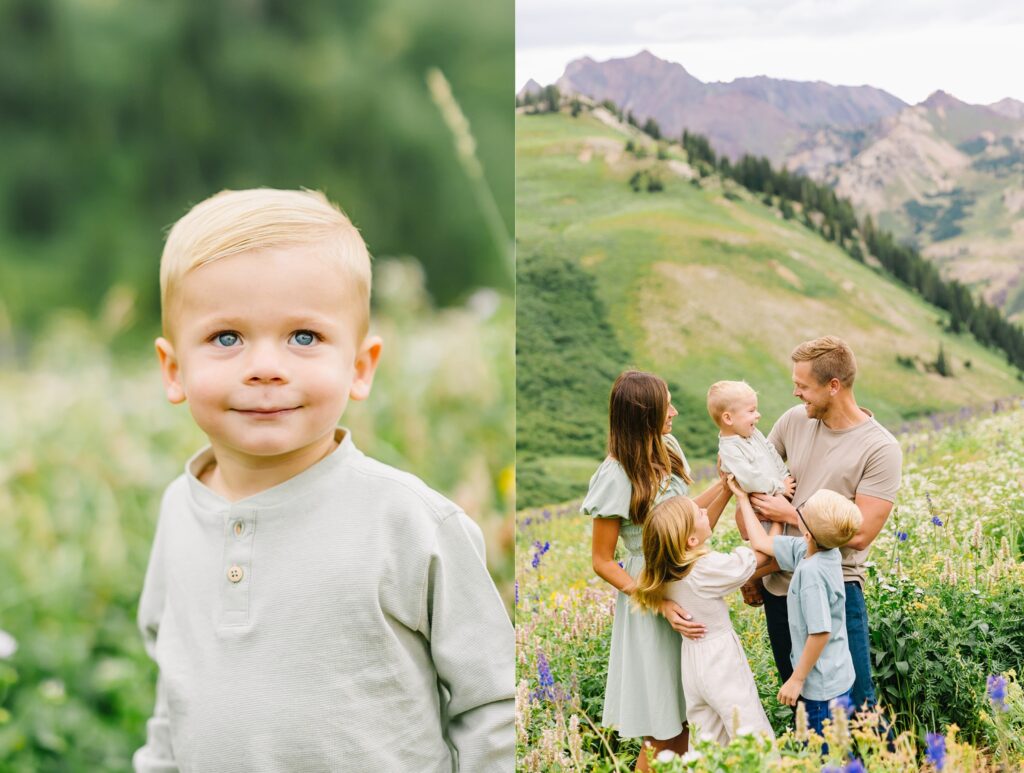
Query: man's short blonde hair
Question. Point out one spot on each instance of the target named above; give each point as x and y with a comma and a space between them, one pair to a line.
725, 395
233, 222
830, 358
832, 519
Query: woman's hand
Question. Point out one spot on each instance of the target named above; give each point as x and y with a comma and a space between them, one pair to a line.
681, 620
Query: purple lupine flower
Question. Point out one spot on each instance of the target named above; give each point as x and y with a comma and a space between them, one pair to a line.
517, 592
854, 766
936, 520
831, 769
901, 536
995, 686
936, 749
544, 676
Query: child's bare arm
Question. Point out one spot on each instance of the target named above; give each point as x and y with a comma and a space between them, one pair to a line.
760, 541
795, 684
775, 530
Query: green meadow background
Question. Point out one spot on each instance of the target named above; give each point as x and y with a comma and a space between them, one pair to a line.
116, 118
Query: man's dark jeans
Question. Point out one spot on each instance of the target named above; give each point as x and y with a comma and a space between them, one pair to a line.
777, 618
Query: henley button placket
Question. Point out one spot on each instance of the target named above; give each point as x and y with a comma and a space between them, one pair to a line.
239, 530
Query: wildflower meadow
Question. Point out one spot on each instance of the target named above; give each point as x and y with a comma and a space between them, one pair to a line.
945, 606
88, 444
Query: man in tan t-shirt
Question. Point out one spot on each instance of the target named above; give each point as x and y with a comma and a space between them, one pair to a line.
830, 442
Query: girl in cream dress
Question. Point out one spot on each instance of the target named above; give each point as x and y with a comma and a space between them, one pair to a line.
716, 678
643, 693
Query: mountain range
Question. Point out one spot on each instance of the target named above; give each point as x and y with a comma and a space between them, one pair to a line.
944, 175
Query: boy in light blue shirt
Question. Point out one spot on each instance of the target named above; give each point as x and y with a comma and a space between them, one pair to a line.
816, 601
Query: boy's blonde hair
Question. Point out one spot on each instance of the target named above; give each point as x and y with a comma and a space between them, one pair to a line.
233, 222
724, 395
830, 358
667, 557
831, 518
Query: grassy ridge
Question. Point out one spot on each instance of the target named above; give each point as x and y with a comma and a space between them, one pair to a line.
700, 283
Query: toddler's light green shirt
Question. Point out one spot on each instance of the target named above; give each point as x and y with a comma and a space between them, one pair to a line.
343, 620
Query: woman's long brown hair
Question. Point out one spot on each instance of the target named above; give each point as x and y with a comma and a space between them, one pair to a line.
637, 410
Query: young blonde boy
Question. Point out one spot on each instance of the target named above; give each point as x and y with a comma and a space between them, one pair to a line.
744, 452
816, 600
310, 609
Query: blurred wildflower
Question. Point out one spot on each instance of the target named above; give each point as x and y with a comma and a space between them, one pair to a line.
539, 550
936, 750
901, 536
995, 687
854, 766
801, 721
8, 644
844, 702
936, 520
665, 755
976, 536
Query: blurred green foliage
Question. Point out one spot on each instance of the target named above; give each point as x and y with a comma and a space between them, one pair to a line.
116, 116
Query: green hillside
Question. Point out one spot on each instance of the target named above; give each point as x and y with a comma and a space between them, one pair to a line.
698, 282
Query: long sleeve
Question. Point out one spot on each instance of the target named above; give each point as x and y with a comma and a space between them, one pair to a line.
473, 648
745, 469
157, 755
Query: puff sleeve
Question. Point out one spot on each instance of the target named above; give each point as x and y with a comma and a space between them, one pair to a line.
719, 574
609, 492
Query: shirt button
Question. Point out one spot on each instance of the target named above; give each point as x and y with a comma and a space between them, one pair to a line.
235, 573
239, 528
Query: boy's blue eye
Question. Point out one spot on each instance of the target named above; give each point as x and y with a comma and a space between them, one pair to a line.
226, 339
304, 337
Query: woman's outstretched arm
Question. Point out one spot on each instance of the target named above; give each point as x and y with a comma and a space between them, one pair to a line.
714, 499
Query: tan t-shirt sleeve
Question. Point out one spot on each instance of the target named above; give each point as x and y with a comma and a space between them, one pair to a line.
882, 473
778, 434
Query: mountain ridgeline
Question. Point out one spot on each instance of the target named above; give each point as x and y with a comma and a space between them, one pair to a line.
944, 176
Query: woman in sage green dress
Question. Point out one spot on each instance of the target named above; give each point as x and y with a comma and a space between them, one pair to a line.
645, 464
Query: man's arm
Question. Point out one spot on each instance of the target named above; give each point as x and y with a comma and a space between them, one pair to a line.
874, 512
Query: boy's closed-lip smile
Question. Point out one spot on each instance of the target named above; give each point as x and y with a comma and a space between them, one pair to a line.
266, 412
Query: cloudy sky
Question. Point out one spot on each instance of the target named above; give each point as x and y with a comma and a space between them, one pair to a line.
910, 48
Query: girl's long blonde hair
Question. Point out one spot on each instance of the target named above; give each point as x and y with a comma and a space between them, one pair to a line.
667, 557
637, 410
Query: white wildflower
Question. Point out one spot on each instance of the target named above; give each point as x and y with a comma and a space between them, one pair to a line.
8, 644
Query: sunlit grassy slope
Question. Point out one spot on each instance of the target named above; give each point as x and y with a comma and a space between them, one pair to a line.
701, 283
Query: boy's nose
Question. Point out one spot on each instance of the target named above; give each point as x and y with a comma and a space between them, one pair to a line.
264, 364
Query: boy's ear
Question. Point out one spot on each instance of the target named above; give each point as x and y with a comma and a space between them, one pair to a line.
170, 371
727, 418
366, 365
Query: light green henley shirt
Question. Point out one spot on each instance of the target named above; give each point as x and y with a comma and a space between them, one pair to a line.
343, 620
